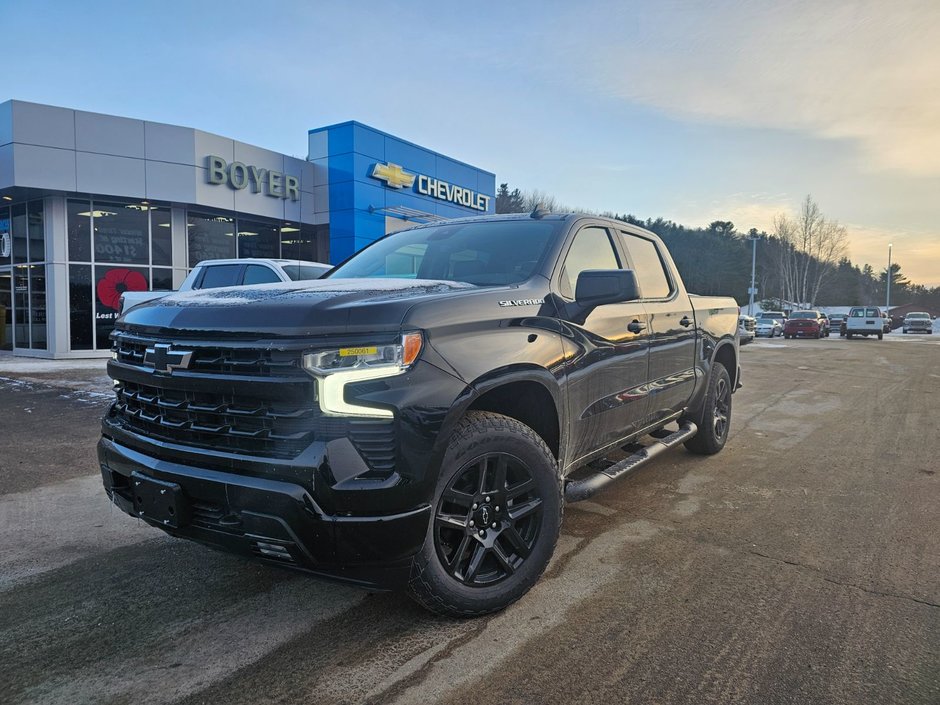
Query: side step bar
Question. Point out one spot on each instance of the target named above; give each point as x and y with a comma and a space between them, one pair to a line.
576, 490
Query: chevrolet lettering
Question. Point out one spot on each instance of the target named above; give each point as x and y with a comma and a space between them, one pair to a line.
396, 177
449, 192
402, 422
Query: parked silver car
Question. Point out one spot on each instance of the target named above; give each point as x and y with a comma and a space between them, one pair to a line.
768, 326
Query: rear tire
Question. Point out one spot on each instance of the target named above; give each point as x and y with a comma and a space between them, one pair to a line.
881, 336
497, 511
714, 419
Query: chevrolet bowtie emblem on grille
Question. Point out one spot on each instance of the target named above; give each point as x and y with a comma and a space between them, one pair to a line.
393, 175
164, 359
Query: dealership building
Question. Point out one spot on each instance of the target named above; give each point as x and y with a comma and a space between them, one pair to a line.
92, 205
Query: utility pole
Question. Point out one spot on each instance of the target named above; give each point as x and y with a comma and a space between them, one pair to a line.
888, 280
752, 290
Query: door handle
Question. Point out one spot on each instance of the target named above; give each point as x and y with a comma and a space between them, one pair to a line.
636, 327
686, 321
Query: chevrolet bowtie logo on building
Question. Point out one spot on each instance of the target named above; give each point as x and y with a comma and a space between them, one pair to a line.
396, 177
393, 175
164, 359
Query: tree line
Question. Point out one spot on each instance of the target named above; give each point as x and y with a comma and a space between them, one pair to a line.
802, 262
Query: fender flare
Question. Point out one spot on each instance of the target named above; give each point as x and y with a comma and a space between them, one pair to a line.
493, 380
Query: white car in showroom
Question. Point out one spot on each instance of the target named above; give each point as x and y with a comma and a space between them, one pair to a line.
768, 327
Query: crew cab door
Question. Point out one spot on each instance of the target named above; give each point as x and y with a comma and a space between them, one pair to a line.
672, 327
606, 353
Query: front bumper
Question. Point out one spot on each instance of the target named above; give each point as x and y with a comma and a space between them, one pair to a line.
272, 520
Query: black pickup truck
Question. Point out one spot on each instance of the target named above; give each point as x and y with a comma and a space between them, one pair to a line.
419, 417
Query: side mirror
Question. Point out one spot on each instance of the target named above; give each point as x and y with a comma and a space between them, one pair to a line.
606, 286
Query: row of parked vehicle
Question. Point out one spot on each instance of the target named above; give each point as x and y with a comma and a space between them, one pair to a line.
859, 321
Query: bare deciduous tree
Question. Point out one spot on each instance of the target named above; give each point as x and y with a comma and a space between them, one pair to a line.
811, 245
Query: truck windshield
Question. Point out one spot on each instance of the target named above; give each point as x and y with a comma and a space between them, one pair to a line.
485, 253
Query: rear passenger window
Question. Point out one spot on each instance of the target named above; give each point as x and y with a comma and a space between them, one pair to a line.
647, 266
256, 274
591, 249
221, 275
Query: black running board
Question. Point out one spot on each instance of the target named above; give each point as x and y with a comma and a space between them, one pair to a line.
576, 490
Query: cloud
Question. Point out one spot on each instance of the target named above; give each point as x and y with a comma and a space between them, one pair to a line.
861, 71
917, 253
746, 211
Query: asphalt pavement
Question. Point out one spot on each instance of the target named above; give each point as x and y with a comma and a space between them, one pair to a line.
800, 565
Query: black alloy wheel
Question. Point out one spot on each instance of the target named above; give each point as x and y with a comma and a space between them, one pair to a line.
714, 415
722, 411
487, 520
497, 512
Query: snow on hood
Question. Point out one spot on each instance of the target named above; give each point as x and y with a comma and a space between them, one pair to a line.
376, 290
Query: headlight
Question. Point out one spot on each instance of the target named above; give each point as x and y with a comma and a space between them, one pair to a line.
334, 369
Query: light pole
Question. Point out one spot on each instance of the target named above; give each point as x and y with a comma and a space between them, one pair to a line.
752, 290
888, 280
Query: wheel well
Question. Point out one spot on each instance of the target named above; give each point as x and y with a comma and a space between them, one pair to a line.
528, 402
725, 355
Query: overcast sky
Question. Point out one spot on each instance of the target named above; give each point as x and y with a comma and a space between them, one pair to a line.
693, 111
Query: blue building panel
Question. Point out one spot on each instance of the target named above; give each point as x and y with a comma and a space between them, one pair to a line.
341, 168
368, 196
342, 226
456, 173
342, 196
341, 139
368, 142
369, 226
410, 177
410, 157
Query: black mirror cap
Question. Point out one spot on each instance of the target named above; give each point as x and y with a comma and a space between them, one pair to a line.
606, 286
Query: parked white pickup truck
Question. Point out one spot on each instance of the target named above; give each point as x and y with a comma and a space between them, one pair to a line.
864, 320
214, 273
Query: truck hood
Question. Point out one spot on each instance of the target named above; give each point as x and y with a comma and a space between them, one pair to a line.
319, 307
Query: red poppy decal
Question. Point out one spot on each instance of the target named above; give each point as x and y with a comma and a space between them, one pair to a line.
116, 282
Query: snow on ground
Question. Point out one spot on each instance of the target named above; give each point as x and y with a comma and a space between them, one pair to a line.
88, 377
27, 365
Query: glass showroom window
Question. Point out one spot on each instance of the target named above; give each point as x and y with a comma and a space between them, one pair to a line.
6, 280
299, 242
256, 239
209, 237
22, 285
111, 246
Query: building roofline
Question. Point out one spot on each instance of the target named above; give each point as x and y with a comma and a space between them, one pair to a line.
396, 137
11, 101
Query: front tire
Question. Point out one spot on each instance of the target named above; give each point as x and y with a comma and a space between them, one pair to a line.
497, 513
714, 420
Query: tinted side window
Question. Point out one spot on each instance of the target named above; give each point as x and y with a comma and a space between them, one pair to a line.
257, 274
591, 249
648, 267
221, 275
